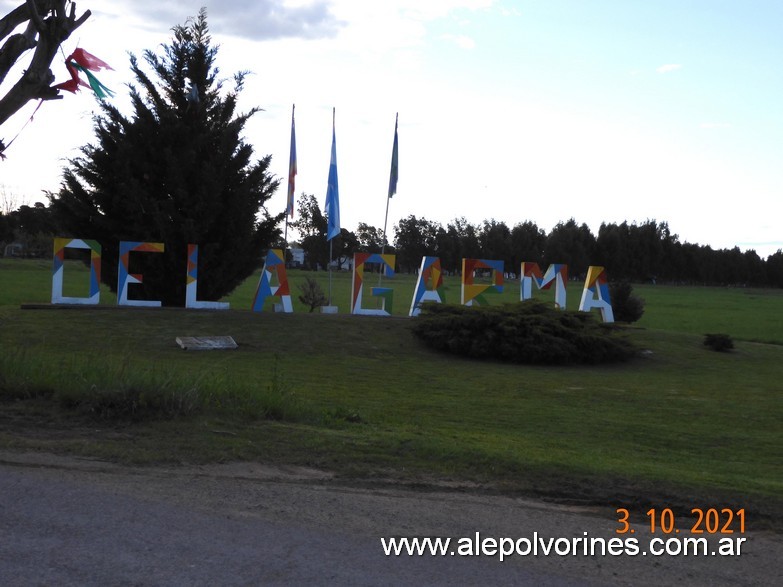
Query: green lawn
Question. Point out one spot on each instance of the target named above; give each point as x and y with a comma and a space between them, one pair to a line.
359, 395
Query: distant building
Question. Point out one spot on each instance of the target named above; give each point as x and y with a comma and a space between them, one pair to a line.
297, 257
13, 250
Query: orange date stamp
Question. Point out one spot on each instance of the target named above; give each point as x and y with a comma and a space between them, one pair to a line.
710, 521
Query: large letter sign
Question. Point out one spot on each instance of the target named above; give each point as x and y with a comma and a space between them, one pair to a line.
471, 292
60, 244
357, 288
596, 294
125, 278
191, 285
273, 272
274, 281
531, 273
429, 273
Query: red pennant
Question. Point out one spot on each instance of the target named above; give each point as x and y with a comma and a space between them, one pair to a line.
87, 60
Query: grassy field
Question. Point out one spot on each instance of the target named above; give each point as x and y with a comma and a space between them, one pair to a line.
681, 425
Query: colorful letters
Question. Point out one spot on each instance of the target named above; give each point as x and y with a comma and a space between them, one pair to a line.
475, 293
124, 278
273, 272
357, 287
531, 273
429, 273
596, 294
274, 281
58, 268
191, 285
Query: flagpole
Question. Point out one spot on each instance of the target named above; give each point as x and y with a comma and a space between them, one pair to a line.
385, 220
285, 242
392, 189
383, 243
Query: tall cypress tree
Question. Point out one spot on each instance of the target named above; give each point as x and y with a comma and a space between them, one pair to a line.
177, 171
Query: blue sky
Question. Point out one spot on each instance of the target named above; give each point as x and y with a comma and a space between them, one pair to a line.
598, 110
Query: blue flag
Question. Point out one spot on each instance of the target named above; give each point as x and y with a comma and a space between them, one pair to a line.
332, 208
395, 172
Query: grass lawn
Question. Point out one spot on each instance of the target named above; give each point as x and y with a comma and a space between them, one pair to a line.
681, 425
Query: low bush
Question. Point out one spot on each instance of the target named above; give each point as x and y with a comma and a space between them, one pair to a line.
531, 332
719, 342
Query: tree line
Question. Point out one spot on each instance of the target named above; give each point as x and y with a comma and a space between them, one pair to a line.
644, 252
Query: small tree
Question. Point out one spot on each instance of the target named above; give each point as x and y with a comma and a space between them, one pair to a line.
312, 295
176, 172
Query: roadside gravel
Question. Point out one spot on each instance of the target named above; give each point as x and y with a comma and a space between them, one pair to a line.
73, 521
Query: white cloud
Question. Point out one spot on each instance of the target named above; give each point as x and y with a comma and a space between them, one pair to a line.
461, 41
668, 68
434, 9
258, 20
506, 12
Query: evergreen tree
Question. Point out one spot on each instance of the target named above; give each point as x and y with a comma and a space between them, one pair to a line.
6, 229
570, 243
527, 244
176, 172
495, 241
775, 269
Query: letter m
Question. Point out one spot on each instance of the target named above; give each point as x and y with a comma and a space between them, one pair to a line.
556, 273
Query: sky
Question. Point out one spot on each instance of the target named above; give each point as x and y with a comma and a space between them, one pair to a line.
514, 110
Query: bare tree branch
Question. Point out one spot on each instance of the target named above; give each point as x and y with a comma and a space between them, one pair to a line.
14, 47
48, 27
35, 18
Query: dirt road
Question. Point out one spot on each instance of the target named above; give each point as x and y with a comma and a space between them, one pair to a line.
69, 521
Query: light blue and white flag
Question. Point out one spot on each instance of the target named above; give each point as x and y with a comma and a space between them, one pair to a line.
332, 207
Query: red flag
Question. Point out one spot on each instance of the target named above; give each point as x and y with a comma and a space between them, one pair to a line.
88, 61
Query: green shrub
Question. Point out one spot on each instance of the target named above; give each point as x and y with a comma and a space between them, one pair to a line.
530, 332
626, 307
719, 342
